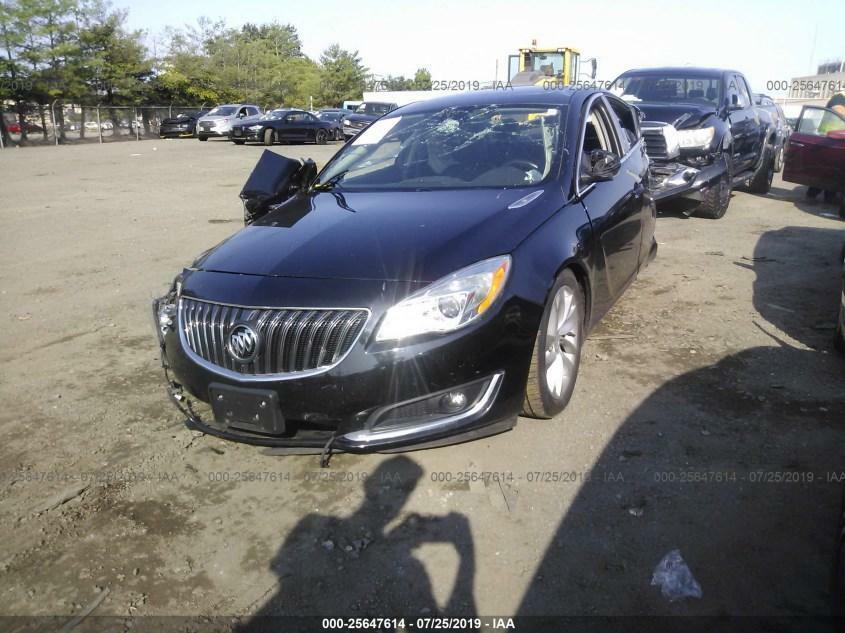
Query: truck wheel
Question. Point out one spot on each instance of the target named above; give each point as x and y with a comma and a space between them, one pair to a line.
557, 350
761, 181
779, 159
715, 201
268, 137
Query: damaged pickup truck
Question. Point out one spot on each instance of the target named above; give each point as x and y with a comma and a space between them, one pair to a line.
704, 135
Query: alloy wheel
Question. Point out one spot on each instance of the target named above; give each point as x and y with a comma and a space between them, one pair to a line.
563, 338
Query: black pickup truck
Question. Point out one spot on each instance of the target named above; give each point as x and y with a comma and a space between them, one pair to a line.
703, 133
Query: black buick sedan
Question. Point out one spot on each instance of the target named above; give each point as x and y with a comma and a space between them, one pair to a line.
434, 281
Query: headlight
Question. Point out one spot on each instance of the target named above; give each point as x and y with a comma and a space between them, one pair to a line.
255, 128
696, 139
449, 303
347, 122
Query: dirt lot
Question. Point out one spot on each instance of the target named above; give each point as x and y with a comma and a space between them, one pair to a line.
708, 417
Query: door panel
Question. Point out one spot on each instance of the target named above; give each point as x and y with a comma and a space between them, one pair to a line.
813, 157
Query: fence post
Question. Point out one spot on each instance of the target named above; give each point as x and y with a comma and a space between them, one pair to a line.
99, 125
135, 122
53, 118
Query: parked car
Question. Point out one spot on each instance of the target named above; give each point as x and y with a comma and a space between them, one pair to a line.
365, 114
334, 116
283, 126
436, 279
183, 124
218, 121
703, 134
777, 120
815, 153
31, 128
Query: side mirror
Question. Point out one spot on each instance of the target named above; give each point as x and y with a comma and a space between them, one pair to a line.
602, 166
273, 180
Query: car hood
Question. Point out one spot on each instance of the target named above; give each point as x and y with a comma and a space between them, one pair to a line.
401, 236
681, 115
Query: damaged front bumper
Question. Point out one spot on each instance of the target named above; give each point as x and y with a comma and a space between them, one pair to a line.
674, 180
445, 390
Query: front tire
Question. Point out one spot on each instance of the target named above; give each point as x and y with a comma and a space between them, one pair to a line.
320, 137
268, 137
715, 201
778, 164
202, 138
557, 350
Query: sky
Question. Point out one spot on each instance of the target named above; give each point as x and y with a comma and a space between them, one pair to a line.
463, 39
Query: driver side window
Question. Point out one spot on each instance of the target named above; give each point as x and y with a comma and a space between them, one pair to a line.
599, 134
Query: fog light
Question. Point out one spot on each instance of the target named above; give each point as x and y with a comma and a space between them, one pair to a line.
453, 401
166, 316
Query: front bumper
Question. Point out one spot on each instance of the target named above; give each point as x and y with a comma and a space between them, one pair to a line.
673, 180
244, 134
214, 131
350, 402
348, 130
174, 132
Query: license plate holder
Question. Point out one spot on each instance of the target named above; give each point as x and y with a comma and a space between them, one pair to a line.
251, 409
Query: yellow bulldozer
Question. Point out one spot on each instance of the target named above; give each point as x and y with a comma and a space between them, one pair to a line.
550, 67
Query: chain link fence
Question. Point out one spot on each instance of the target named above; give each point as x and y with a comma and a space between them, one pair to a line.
57, 124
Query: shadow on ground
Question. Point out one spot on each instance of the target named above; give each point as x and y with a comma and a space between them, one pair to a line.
729, 463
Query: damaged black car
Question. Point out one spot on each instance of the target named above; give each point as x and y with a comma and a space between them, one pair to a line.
703, 133
434, 281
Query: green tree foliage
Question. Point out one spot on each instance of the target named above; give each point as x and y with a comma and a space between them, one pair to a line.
342, 76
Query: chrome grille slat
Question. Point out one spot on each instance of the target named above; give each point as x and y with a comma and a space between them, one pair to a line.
291, 340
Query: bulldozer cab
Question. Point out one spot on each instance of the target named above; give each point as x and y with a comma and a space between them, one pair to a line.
535, 66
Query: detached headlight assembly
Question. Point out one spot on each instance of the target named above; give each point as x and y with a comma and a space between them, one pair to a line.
347, 122
696, 139
449, 303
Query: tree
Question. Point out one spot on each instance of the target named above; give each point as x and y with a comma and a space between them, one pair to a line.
342, 76
422, 80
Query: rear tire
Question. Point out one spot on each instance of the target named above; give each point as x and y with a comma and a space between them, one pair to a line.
202, 138
320, 137
715, 201
761, 181
557, 350
268, 137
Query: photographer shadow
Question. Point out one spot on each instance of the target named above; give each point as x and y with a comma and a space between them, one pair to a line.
361, 567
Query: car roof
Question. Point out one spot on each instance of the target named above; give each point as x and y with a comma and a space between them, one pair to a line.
505, 96
688, 71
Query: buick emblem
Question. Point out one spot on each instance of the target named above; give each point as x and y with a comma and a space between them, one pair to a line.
243, 343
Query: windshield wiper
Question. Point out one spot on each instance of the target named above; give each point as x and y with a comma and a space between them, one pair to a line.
331, 182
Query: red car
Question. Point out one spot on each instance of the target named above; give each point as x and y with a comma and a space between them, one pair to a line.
15, 128
815, 152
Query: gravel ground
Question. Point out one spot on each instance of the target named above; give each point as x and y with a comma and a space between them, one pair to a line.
708, 417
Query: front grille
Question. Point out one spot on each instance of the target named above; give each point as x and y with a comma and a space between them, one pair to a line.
655, 143
289, 340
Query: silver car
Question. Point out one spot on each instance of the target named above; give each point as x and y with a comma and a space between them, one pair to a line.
218, 122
